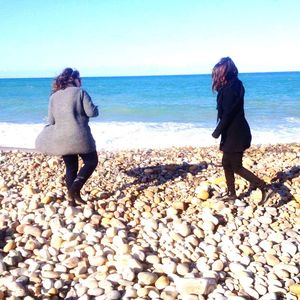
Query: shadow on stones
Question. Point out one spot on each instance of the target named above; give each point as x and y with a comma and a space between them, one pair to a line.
160, 174
279, 187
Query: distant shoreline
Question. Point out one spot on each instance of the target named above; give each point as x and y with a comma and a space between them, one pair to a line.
153, 75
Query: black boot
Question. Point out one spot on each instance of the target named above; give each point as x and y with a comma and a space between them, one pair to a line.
74, 191
75, 197
230, 196
266, 193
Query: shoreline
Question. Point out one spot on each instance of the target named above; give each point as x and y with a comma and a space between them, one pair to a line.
155, 225
101, 150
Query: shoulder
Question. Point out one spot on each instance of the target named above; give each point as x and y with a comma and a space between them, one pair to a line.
233, 87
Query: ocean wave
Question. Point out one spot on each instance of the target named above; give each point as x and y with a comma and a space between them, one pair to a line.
133, 135
293, 120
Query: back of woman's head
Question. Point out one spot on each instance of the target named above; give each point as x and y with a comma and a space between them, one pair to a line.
65, 79
224, 71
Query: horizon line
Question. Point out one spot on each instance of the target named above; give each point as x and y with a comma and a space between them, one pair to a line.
154, 75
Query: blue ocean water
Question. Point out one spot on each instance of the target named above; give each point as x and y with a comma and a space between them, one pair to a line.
156, 111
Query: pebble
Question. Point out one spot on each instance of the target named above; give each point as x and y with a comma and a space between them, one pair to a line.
154, 226
146, 278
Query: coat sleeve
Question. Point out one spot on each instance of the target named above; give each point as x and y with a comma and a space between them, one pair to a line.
90, 109
229, 104
50, 120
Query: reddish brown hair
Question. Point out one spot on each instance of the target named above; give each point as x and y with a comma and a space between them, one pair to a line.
223, 71
66, 78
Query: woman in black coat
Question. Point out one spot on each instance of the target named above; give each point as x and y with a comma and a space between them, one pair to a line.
233, 127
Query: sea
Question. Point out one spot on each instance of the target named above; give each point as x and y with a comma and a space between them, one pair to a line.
155, 111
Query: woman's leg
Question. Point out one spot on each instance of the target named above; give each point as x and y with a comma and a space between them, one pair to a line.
90, 161
255, 181
71, 162
238, 168
229, 173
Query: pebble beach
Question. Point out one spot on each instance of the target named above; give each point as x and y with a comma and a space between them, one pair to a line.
155, 226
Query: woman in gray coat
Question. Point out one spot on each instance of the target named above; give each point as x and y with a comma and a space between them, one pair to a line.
68, 133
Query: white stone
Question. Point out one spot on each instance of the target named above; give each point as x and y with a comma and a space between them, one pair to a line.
289, 247
197, 286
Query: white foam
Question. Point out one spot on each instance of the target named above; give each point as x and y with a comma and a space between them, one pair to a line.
293, 120
132, 135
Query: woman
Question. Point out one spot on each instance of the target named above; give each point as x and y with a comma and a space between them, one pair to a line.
233, 127
68, 133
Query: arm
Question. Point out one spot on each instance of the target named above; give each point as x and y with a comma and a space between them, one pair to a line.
229, 104
51, 120
90, 109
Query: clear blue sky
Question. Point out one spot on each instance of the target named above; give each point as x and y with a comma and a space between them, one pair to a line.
147, 37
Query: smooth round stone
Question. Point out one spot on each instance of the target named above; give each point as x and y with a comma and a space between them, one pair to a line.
246, 281
272, 260
203, 195
169, 267
142, 292
236, 267
289, 247
183, 229
130, 293
153, 259
71, 262
17, 289
269, 296
245, 260
87, 212
295, 288
113, 295
10, 245
95, 292
162, 282
252, 292
281, 274
58, 284
128, 274
210, 250
261, 289
48, 284
218, 265
266, 245
97, 260
208, 226
32, 230
276, 237
171, 212
22, 280
50, 274
182, 269
147, 278
247, 250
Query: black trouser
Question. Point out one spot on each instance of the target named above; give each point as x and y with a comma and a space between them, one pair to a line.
74, 180
232, 163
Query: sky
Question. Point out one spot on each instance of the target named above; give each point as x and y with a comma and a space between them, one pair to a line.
147, 37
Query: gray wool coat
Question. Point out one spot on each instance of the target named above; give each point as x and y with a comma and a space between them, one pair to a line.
68, 131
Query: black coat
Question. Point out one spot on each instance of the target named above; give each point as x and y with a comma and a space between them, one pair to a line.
232, 124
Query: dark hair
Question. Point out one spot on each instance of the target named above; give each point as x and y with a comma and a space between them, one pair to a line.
66, 78
224, 71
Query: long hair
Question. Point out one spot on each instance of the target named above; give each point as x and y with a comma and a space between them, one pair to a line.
224, 71
65, 79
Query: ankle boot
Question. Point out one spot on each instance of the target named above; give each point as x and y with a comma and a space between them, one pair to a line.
71, 199
75, 196
266, 193
230, 196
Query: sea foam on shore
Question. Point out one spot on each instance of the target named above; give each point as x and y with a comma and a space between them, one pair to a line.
154, 225
133, 135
